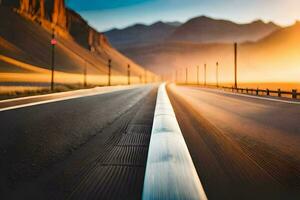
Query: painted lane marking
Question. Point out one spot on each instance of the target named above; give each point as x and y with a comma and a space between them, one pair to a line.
170, 172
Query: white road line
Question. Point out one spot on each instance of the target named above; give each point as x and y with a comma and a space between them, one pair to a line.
250, 96
93, 92
170, 172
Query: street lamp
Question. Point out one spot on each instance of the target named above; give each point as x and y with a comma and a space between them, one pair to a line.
204, 74
128, 74
217, 74
198, 75
109, 72
235, 65
53, 43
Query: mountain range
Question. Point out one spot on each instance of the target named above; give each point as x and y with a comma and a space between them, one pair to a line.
266, 51
196, 30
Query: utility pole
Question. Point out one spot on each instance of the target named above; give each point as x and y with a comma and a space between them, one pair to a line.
109, 72
186, 75
128, 74
204, 74
53, 43
84, 74
235, 65
217, 74
198, 75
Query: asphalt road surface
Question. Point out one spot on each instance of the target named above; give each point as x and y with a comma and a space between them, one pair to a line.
92, 147
242, 148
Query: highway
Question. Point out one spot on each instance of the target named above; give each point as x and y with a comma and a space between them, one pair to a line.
93, 144
87, 146
242, 148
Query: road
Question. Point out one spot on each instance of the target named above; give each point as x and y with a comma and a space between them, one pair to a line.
88, 147
242, 148
94, 144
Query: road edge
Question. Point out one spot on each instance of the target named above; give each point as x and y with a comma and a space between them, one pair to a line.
61, 96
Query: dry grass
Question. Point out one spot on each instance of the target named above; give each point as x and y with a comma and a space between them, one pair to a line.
7, 92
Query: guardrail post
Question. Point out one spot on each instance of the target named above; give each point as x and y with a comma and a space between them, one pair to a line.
279, 93
257, 92
294, 94
247, 90
268, 92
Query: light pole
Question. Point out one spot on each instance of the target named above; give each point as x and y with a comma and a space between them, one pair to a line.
217, 74
204, 74
128, 74
235, 65
84, 74
109, 72
186, 75
198, 75
53, 43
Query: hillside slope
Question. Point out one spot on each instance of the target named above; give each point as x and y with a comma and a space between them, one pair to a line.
27, 40
274, 58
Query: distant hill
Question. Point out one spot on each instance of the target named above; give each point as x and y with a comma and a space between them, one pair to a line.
207, 30
140, 34
197, 30
274, 58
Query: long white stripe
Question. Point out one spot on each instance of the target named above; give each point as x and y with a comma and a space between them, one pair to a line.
90, 92
170, 172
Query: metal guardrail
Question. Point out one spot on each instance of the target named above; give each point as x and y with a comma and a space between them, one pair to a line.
170, 172
267, 92
293, 93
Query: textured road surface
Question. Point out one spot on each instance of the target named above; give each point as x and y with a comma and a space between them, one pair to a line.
242, 148
85, 148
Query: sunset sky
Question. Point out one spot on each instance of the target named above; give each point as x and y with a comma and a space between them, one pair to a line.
104, 15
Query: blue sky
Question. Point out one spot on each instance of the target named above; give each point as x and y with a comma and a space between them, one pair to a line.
107, 14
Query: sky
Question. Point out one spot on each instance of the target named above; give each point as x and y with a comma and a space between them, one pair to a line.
107, 14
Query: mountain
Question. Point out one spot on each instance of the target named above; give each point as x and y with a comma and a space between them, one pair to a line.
175, 23
274, 58
198, 30
25, 33
207, 30
140, 34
